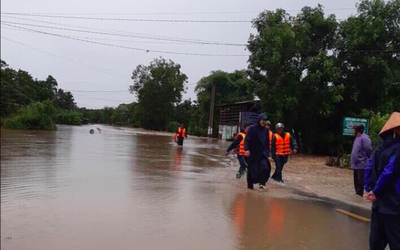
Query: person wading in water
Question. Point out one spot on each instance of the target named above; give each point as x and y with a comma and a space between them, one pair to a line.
257, 149
238, 145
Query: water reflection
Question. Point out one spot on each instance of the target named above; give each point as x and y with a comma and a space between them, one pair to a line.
178, 158
26, 157
257, 221
276, 218
274, 223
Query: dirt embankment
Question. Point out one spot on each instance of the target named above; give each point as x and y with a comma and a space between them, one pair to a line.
309, 174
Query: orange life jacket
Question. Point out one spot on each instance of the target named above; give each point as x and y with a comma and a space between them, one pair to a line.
282, 144
184, 132
240, 148
270, 138
181, 132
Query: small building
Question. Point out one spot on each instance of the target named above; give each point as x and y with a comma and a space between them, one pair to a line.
234, 116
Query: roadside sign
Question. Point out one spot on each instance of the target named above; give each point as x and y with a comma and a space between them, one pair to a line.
350, 122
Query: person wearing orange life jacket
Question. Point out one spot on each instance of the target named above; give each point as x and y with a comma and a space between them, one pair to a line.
268, 126
238, 145
282, 146
180, 135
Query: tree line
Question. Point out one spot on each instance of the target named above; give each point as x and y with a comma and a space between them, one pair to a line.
29, 103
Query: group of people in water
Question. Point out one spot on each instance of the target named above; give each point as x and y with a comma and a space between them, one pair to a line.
257, 147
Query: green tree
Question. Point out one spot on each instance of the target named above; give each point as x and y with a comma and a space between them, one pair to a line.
369, 58
93, 115
9, 102
38, 116
69, 117
65, 100
47, 90
292, 65
123, 114
230, 87
159, 88
19, 89
108, 113
183, 112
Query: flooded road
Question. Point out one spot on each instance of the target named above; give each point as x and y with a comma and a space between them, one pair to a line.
127, 189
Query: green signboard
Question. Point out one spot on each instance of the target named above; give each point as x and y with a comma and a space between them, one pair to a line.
350, 122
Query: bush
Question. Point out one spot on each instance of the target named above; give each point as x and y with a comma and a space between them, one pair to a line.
346, 161
342, 162
172, 126
38, 116
69, 117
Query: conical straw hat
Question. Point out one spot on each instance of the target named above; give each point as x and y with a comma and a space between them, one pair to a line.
393, 122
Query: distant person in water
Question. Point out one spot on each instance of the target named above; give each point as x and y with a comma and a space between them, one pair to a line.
180, 135
99, 130
91, 131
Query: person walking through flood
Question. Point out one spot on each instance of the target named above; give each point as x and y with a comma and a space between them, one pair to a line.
269, 126
256, 146
281, 147
238, 145
382, 182
180, 135
359, 157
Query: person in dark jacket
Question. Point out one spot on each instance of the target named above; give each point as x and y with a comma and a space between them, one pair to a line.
359, 157
238, 145
382, 182
282, 145
256, 146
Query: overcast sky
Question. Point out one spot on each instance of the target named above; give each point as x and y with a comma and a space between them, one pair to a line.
79, 65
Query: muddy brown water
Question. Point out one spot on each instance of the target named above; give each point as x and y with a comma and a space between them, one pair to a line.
129, 189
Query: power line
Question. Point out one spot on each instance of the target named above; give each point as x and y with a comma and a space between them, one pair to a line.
75, 61
108, 91
143, 35
120, 40
128, 19
103, 70
88, 105
104, 99
124, 35
172, 13
127, 47
175, 52
9, 84
98, 91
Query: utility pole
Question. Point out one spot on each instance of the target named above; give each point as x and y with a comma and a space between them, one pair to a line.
198, 121
212, 107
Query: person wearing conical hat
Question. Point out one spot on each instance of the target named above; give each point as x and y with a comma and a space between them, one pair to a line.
382, 182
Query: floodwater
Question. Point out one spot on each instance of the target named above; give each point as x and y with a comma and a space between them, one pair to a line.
129, 189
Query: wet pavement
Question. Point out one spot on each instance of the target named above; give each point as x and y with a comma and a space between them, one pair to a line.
130, 189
